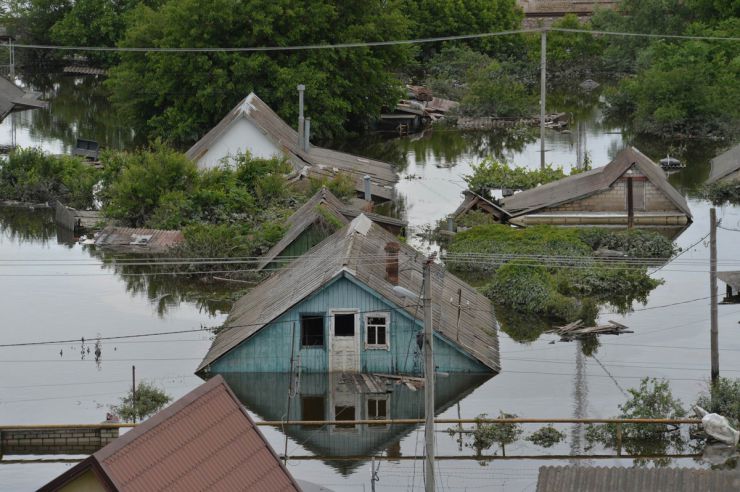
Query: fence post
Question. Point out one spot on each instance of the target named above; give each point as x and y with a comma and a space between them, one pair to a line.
619, 439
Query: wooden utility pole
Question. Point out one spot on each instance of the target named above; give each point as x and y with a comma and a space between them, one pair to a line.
713, 293
428, 376
133, 390
543, 88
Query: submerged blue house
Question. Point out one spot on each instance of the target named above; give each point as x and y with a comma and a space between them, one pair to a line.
334, 310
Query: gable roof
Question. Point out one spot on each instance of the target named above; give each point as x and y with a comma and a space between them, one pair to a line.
358, 250
622, 479
320, 161
472, 199
13, 98
124, 239
590, 182
309, 213
725, 163
204, 441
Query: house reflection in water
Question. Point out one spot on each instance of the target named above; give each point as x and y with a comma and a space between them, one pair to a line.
337, 396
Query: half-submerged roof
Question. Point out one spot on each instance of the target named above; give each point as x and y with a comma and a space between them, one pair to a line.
322, 203
13, 98
138, 240
590, 182
726, 163
206, 440
358, 250
320, 161
473, 199
623, 479
730, 278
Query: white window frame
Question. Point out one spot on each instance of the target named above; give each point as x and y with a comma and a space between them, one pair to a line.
375, 346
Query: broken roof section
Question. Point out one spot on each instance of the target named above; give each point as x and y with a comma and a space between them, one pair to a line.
590, 182
316, 161
474, 201
324, 206
13, 98
725, 164
460, 313
137, 240
206, 440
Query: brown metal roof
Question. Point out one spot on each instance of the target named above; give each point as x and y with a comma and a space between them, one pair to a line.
358, 250
590, 182
730, 278
137, 240
724, 164
618, 479
13, 98
203, 441
319, 161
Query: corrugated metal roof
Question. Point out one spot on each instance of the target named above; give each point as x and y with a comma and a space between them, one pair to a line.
617, 479
358, 249
724, 164
13, 98
320, 161
204, 441
137, 240
590, 182
730, 278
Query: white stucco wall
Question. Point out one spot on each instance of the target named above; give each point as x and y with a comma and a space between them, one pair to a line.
241, 136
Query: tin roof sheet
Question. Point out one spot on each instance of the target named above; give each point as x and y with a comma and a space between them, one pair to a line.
724, 164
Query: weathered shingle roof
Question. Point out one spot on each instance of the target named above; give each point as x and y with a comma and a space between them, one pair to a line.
724, 164
618, 479
309, 213
13, 98
590, 182
730, 278
204, 441
320, 161
137, 240
472, 199
358, 250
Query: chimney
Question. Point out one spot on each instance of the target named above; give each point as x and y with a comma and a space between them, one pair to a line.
306, 134
301, 88
368, 194
391, 262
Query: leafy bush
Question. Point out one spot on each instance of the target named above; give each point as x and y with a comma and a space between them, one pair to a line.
724, 399
341, 185
637, 243
30, 175
149, 399
497, 90
722, 192
486, 435
546, 436
491, 175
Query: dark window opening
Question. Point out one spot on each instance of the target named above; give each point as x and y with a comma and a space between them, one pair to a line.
377, 409
312, 408
344, 325
377, 330
312, 330
344, 412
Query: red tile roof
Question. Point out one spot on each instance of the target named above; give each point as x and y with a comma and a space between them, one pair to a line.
204, 441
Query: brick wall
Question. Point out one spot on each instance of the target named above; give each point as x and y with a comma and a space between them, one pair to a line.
615, 200
55, 441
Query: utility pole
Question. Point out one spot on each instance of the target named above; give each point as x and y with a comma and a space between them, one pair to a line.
713, 294
543, 88
133, 390
301, 120
428, 375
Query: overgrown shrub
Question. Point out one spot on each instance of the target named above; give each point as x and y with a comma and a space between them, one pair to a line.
546, 436
149, 400
491, 175
637, 243
341, 185
724, 399
722, 192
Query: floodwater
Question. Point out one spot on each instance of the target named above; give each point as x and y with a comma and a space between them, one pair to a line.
55, 289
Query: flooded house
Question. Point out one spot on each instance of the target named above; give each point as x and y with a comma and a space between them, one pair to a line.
629, 191
137, 240
473, 202
206, 440
253, 127
334, 396
732, 285
13, 98
335, 310
316, 220
726, 166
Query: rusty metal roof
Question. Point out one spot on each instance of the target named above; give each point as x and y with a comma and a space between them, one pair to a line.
358, 250
137, 240
724, 164
318, 160
618, 479
587, 183
204, 441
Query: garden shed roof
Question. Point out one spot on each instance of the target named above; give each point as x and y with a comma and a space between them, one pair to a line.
725, 163
460, 312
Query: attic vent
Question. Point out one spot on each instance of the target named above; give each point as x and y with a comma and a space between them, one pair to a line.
140, 239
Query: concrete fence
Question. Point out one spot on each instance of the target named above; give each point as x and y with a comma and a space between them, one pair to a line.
55, 440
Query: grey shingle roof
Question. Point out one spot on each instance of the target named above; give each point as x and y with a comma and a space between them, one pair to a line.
590, 182
618, 479
320, 161
724, 164
13, 98
730, 278
358, 250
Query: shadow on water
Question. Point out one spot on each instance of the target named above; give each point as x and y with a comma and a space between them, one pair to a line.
23, 225
335, 397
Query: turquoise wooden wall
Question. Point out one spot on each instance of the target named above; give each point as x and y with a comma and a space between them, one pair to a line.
269, 349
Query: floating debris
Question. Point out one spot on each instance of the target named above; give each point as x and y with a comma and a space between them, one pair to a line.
576, 330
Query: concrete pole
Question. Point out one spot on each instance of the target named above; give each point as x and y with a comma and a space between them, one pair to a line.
713, 294
301, 89
368, 190
543, 90
306, 134
428, 377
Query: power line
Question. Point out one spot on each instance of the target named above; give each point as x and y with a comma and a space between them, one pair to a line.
646, 35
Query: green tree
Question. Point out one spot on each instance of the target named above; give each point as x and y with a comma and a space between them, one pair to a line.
179, 96
31, 22
148, 400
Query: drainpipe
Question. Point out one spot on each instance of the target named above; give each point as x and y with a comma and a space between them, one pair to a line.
368, 194
301, 88
307, 134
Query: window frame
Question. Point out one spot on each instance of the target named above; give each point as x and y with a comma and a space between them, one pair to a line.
377, 346
322, 316
377, 398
